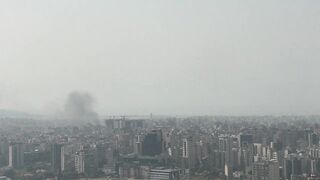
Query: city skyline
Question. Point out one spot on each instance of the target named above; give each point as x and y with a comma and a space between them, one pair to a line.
159, 90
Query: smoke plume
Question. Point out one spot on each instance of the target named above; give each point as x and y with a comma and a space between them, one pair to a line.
79, 107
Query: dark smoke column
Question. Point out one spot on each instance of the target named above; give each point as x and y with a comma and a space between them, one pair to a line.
79, 107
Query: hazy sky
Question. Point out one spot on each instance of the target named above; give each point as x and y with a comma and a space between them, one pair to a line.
162, 57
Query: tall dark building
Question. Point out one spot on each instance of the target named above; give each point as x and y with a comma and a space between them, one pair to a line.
152, 143
100, 155
313, 139
245, 140
226, 145
292, 166
57, 158
4, 151
16, 155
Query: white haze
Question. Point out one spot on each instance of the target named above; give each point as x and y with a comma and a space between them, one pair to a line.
161, 57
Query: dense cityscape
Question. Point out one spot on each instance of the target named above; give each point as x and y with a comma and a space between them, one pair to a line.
162, 147
159, 90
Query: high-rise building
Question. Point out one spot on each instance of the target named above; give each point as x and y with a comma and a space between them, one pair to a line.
226, 146
16, 155
257, 149
123, 123
188, 153
313, 139
100, 155
4, 151
287, 169
79, 162
218, 158
137, 146
245, 140
90, 167
229, 154
266, 170
274, 172
57, 158
152, 143
313, 166
260, 171
292, 166
228, 172
246, 159
85, 163
185, 149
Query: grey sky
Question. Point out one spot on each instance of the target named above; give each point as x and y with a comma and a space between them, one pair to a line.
164, 57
